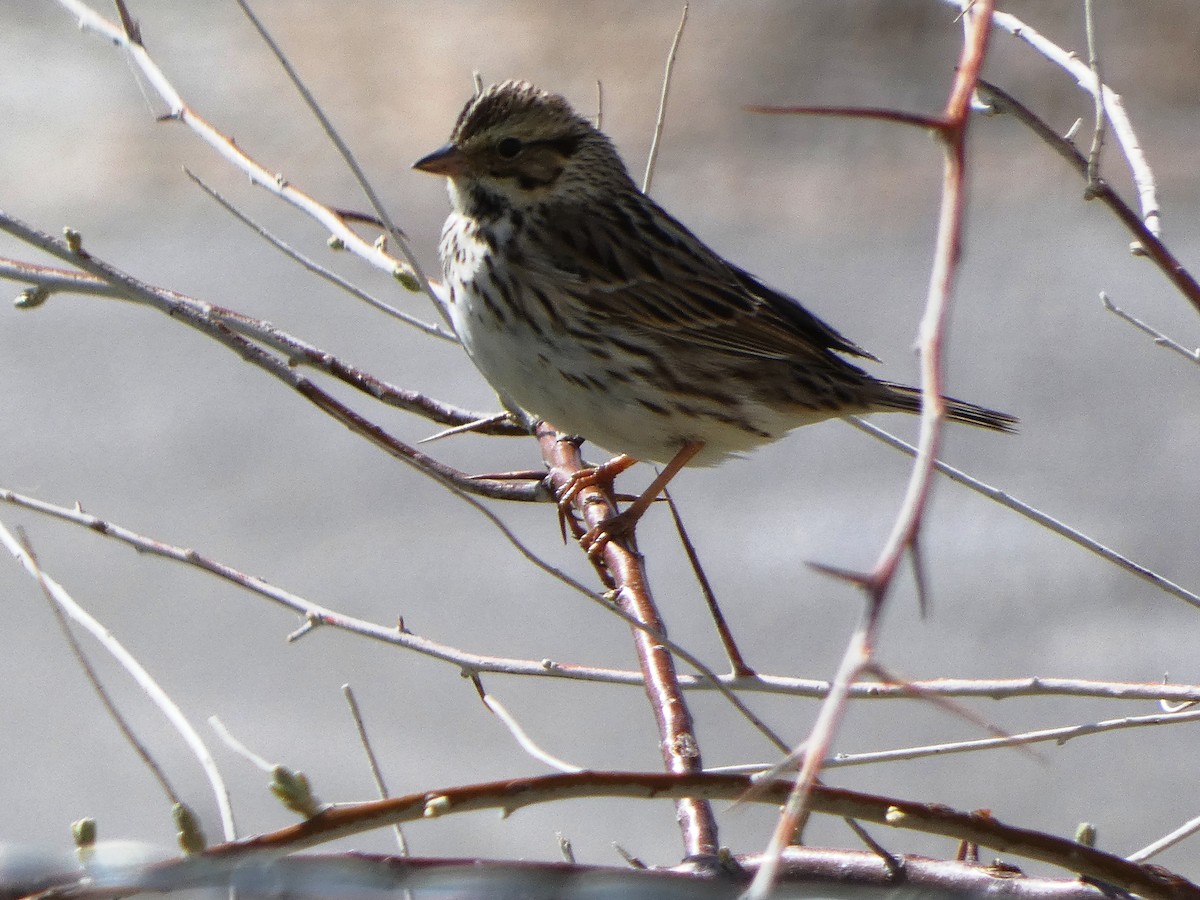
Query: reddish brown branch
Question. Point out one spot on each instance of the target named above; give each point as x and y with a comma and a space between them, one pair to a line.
877, 583
622, 571
510, 795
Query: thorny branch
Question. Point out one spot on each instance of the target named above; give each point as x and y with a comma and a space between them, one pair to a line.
625, 574
510, 795
857, 656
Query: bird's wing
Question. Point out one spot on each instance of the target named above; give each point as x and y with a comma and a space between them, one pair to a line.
637, 266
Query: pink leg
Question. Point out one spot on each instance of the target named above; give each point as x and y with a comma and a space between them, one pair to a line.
622, 523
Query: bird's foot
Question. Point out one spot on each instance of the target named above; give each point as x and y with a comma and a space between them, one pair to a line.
600, 477
617, 527
620, 526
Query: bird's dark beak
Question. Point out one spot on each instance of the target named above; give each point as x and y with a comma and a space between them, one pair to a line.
448, 161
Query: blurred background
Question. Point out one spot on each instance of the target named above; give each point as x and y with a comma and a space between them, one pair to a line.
146, 423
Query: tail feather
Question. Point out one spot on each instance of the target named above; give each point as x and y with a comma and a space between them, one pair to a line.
901, 398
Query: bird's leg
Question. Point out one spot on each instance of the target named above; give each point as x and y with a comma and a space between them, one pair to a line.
622, 523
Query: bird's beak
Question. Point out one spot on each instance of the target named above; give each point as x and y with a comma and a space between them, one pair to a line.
448, 161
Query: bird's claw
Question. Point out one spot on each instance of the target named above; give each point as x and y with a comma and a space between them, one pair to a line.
600, 477
614, 528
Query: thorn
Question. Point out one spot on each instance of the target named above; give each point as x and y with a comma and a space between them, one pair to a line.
466, 426
861, 579
629, 858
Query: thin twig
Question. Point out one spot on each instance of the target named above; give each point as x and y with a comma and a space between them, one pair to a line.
198, 316
1036, 515
477, 426
47, 280
178, 110
895, 116
737, 662
1148, 242
1184, 831
396, 235
1159, 338
316, 268
661, 119
1059, 736
317, 615
372, 762
143, 752
519, 734
229, 740
991, 689
1143, 177
1093, 165
157, 695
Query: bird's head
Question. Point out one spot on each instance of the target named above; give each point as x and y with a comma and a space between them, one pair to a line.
518, 143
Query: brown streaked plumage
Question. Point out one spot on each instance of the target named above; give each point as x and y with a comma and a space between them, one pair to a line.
583, 302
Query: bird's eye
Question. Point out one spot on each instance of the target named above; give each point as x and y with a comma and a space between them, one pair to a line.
509, 147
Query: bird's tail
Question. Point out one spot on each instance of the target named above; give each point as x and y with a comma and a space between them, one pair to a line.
902, 398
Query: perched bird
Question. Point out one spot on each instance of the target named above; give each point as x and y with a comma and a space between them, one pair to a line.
585, 303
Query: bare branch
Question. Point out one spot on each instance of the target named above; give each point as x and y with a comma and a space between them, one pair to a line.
737, 663
898, 117
1149, 243
496, 708
624, 572
200, 316
372, 762
315, 268
510, 795
66, 603
1182, 833
1086, 78
1159, 338
1093, 166
275, 183
977, 27
47, 280
1058, 735
1056, 525
662, 102
393, 232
